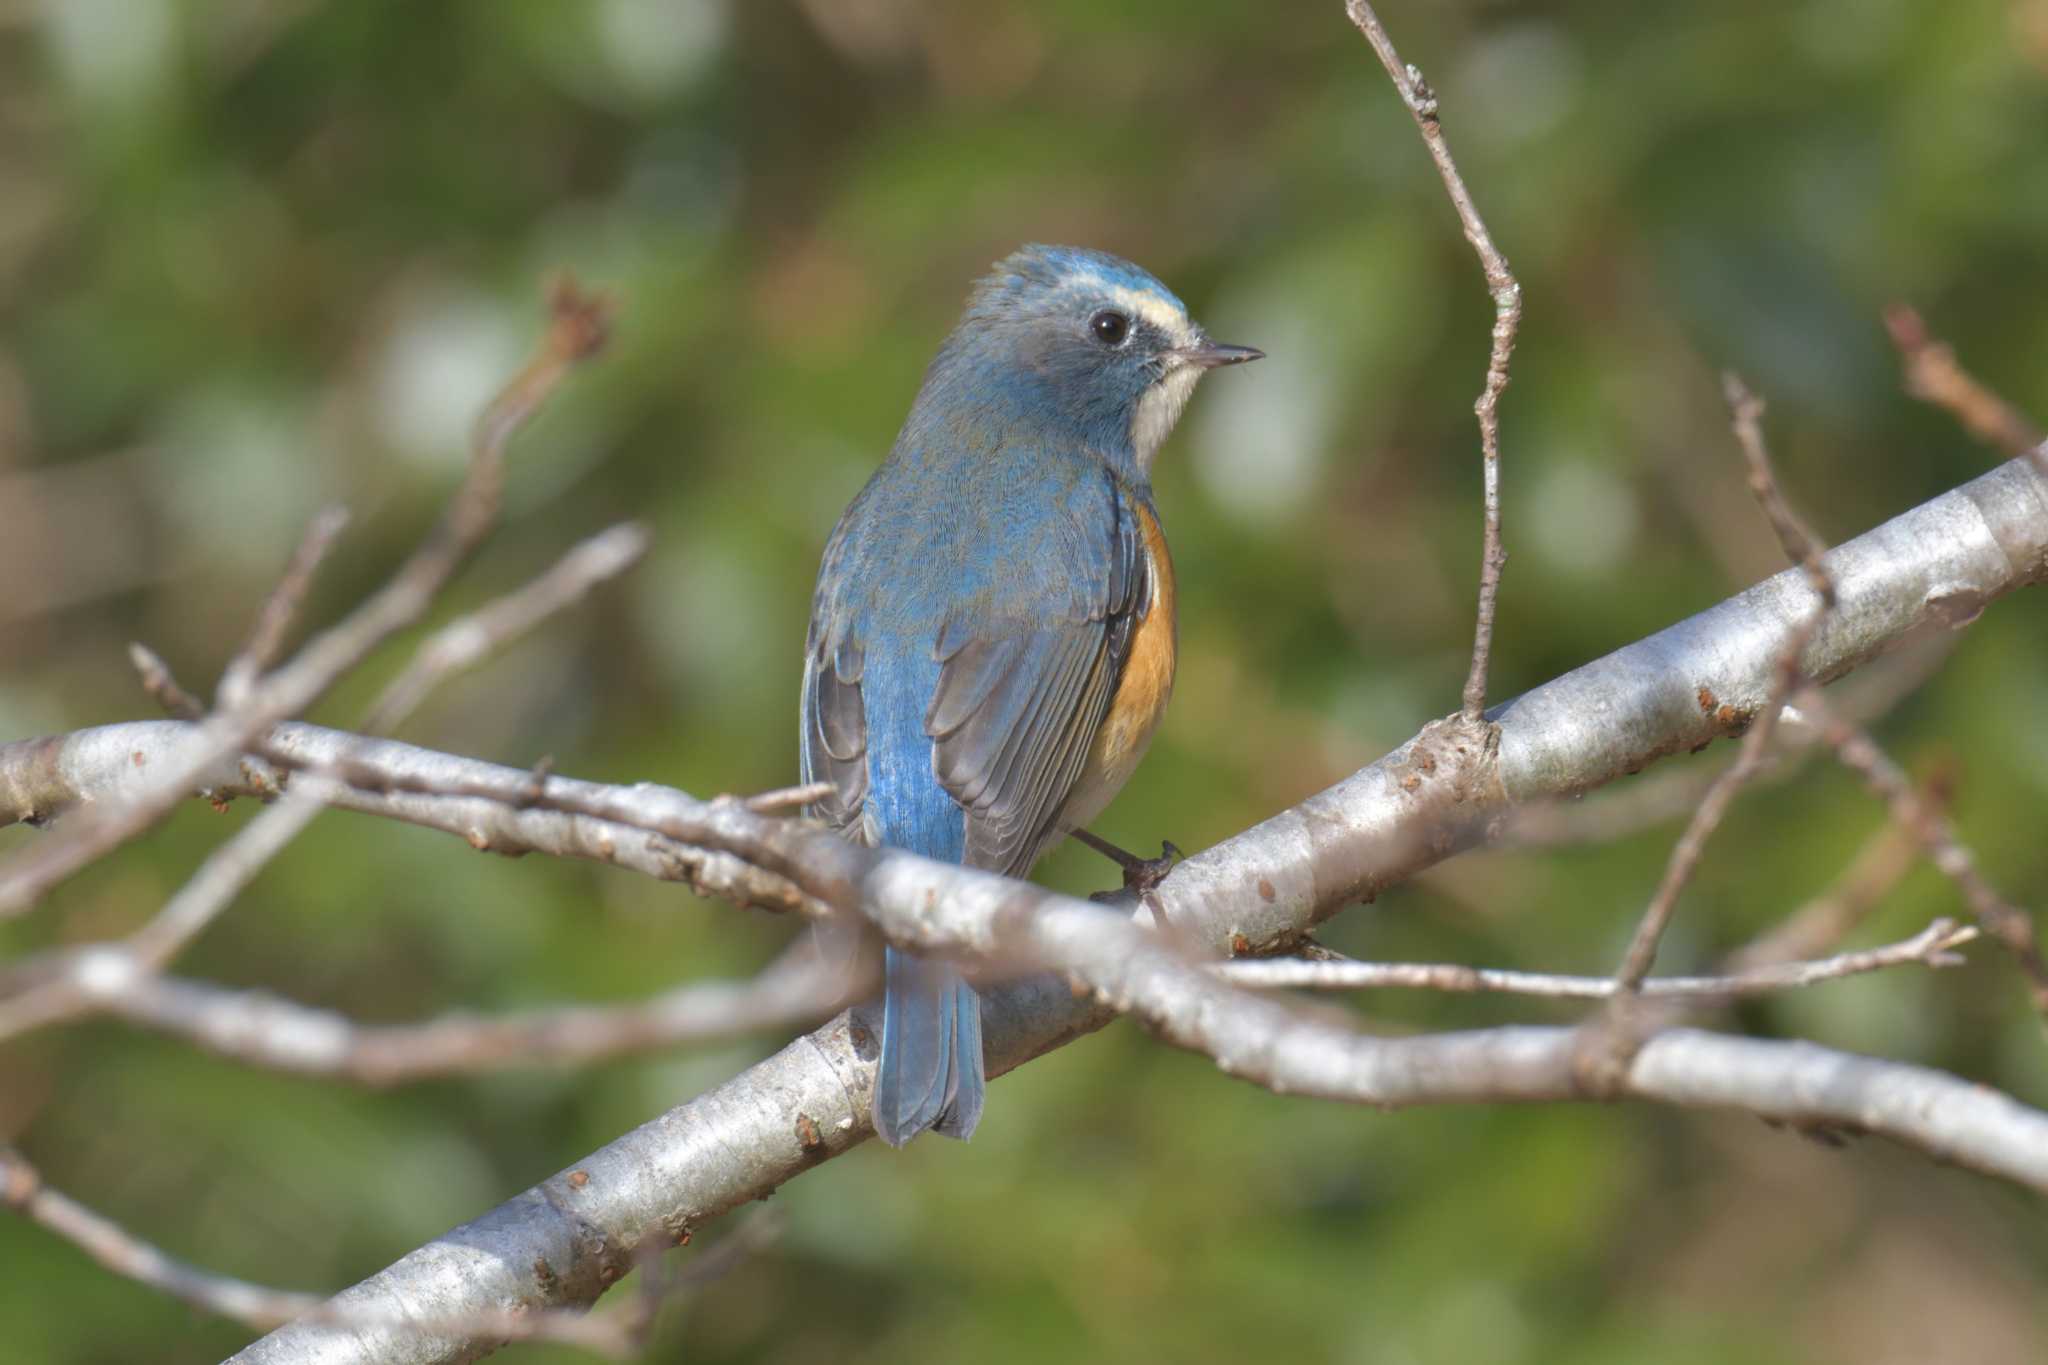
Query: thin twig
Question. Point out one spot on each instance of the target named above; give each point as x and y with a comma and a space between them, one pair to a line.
1933, 375
1878, 867
94, 977
266, 636
261, 1029
260, 1307
255, 1305
1507, 318
1801, 545
464, 641
1932, 947
161, 686
789, 798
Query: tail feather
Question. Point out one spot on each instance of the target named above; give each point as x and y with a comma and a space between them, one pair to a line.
963, 1103
931, 1071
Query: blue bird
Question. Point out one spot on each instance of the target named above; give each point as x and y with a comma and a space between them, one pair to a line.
992, 636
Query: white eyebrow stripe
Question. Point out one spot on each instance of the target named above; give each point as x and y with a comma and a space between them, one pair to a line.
1155, 310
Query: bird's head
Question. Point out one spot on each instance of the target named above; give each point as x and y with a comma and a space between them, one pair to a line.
1085, 344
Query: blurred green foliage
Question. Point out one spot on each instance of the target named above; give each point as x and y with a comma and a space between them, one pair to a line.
256, 256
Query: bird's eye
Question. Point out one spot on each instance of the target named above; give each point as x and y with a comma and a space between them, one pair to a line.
1110, 327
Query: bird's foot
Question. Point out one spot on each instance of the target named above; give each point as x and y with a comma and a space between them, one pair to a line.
1142, 876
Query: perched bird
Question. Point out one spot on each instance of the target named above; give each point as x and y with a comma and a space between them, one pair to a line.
992, 636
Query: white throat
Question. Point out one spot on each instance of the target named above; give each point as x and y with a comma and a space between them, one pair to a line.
1159, 409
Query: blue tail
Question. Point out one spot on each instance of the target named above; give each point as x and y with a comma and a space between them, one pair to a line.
931, 1052
931, 1073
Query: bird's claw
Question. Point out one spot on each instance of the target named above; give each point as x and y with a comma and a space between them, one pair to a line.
1142, 876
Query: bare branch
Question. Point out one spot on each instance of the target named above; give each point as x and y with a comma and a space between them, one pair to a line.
1934, 375
111, 1246
1507, 318
1854, 746
1932, 947
488, 806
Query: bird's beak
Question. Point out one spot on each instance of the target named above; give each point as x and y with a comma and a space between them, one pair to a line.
1207, 355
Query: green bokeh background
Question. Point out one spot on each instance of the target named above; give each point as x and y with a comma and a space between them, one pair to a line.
258, 256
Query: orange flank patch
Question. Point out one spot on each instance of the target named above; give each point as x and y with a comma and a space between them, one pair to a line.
1147, 682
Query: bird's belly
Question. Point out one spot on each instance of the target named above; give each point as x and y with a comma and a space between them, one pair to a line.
1140, 698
